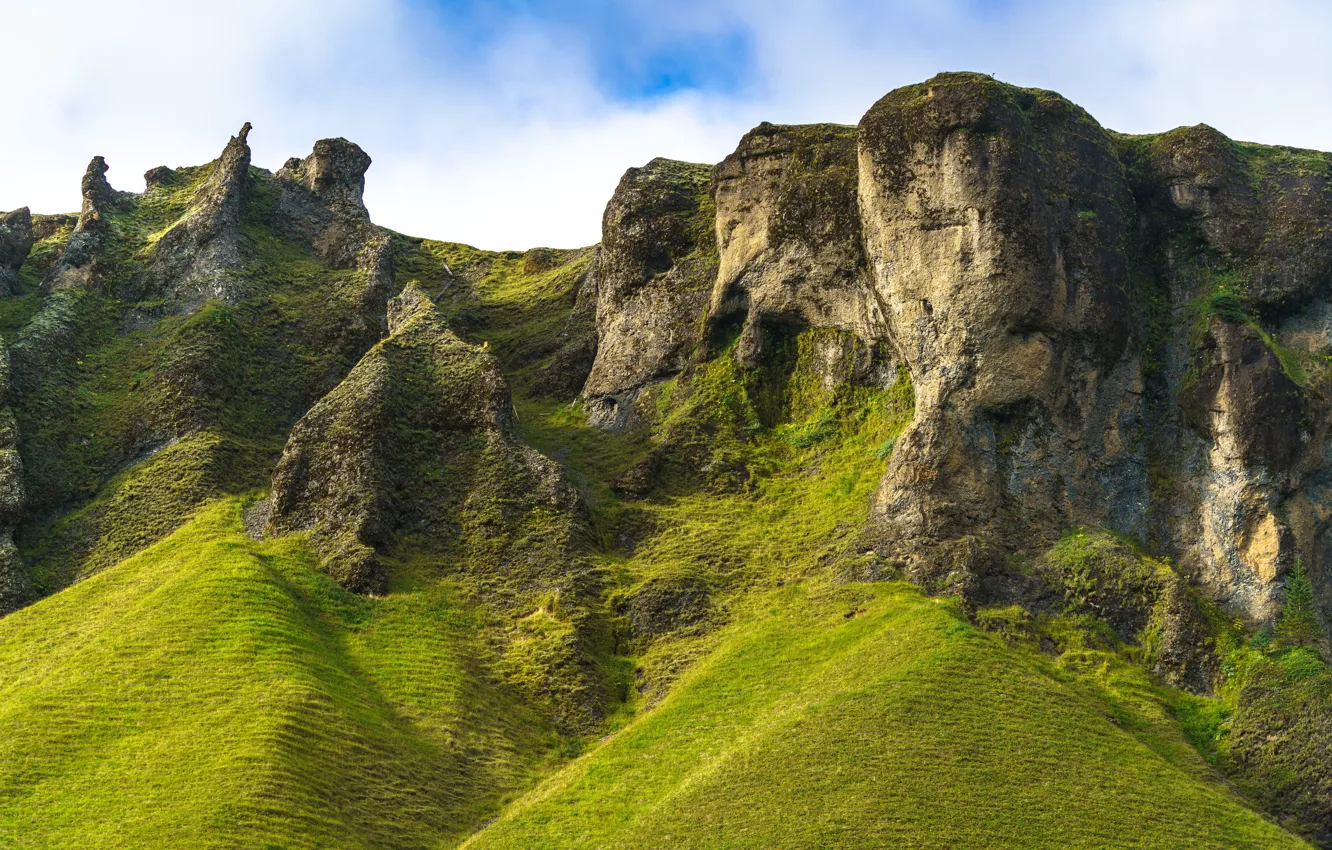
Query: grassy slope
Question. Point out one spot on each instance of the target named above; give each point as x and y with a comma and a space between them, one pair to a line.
221, 692
868, 716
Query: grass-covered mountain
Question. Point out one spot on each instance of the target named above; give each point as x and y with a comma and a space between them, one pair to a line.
953, 480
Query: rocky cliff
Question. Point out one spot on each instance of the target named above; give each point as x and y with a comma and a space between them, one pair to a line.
1101, 330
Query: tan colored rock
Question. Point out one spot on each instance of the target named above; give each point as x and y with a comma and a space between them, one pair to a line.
789, 237
995, 232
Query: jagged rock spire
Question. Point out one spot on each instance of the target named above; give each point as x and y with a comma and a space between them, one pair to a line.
196, 259
79, 266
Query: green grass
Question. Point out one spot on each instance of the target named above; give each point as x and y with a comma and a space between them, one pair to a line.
213, 691
870, 716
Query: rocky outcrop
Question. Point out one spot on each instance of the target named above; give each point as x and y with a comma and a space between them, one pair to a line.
14, 589
655, 272
16, 239
320, 203
420, 442
1264, 211
200, 256
789, 237
83, 263
996, 224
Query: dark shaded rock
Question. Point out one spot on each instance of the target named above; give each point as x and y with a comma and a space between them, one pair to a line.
156, 178
1263, 210
1244, 400
200, 257
572, 362
637, 480
661, 606
16, 240
419, 440
15, 588
656, 268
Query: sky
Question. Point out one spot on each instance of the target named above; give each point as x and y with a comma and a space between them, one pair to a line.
507, 124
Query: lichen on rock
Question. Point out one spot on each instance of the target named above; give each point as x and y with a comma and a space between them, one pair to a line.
16, 240
655, 272
419, 441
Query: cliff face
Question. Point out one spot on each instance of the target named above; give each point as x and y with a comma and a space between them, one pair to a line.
654, 272
1110, 331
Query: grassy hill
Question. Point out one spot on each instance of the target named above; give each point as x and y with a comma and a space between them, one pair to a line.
758, 682
214, 691
220, 691
869, 716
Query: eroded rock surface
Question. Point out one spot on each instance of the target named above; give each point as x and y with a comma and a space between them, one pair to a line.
995, 228
655, 272
82, 263
14, 585
16, 239
420, 441
200, 256
321, 202
789, 237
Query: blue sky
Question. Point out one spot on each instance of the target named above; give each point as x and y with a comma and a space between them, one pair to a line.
507, 124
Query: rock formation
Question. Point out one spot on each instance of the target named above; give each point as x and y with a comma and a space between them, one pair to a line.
1059, 296
420, 440
14, 588
16, 238
321, 203
789, 237
996, 223
655, 271
200, 256
82, 264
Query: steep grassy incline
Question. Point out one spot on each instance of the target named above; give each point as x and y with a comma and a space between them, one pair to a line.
213, 691
869, 716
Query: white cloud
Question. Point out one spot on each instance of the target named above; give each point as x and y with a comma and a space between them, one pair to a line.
511, 143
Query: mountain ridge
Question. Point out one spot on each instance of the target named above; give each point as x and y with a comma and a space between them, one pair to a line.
1072, 379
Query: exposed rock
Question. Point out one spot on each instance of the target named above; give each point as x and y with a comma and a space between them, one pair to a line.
420, 440
637, 480
789, 237
16, 239
320, 203
82, 264
156, 178
664, 605
1253, 415
572, 362
995, 227
1267, 220
655, 270
321, 200
14, 585
199, 257
46, 227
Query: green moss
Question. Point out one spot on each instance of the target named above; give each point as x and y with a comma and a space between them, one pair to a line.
100, 383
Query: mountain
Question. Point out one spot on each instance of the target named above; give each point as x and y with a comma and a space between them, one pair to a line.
956, 479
